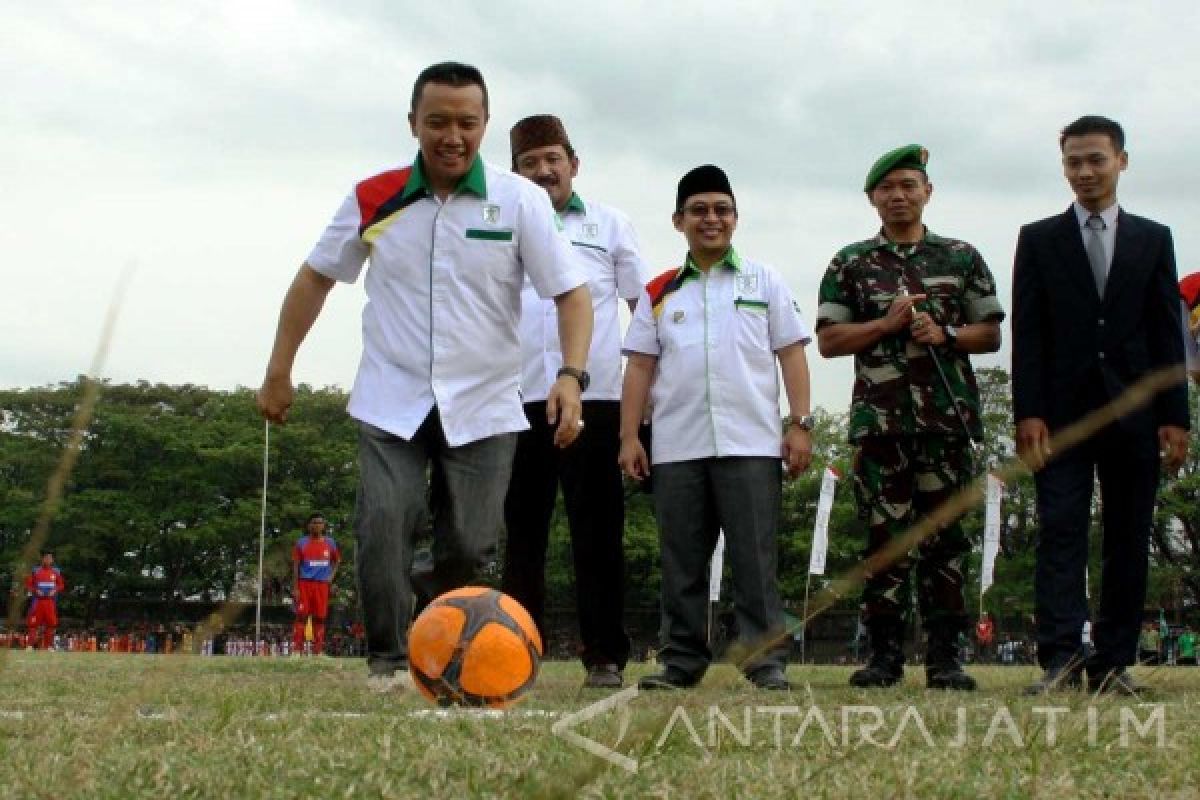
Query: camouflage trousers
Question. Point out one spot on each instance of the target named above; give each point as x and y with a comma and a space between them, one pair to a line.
897, 480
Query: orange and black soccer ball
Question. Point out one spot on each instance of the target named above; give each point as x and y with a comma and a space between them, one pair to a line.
474, 647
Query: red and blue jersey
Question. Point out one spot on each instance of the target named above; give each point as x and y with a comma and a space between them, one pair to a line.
316, 557
45, 582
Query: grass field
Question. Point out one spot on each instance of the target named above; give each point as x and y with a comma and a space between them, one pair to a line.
115, 726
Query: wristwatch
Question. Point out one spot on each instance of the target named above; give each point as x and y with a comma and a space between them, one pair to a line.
580, 375
805, 423
951, 335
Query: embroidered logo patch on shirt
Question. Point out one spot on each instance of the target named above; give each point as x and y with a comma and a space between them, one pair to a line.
591, 230
677, 316
746, 283
491, 213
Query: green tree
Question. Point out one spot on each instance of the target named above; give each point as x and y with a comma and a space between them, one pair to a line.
164, 503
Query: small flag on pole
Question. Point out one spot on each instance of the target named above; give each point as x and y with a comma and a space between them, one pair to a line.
991, 530
820, 543
716, 566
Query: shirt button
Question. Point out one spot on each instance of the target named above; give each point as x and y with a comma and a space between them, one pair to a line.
1100, 322
1101, 355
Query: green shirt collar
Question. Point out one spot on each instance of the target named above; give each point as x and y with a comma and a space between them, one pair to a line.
474, 181
575, 204
731, 260
930, 238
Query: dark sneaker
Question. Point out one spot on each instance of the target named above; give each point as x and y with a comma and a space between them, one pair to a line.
770, 678
669, 678
1118, 682
950, 677
1056, 678
603, 676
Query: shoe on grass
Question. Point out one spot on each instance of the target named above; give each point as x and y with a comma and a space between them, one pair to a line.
603, 676
669, 678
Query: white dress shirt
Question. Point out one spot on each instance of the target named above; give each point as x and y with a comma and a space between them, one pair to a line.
715, 391
1108, 235
444, 295
606, 249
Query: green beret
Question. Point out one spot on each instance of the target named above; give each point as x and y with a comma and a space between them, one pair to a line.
911, 156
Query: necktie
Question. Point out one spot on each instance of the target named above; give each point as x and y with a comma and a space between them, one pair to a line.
1095, 251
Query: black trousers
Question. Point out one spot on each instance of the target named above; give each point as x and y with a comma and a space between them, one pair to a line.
694, 501
1128, 470
595, 503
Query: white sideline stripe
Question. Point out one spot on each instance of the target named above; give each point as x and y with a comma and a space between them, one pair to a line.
152, 714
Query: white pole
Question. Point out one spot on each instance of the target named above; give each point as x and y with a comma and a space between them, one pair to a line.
715, 567
820, 544
262, 534
994, 496
804, 619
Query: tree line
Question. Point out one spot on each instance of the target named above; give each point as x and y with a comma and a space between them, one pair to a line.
164, 504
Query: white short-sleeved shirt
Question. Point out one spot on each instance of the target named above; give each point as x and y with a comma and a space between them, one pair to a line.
716, 388
444, 295
606, 248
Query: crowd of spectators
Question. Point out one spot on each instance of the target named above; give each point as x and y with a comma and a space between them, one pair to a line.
276, 640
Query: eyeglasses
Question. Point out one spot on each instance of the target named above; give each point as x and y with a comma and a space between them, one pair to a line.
701, 210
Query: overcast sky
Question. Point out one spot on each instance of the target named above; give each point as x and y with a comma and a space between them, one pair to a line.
207, 144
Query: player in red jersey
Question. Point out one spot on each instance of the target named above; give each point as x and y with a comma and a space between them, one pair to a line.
44, 584
315, 560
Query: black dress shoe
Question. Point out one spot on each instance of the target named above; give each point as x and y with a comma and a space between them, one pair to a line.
669, 678
1117, 681
770, 678
603, 676
876, 676
1057, 678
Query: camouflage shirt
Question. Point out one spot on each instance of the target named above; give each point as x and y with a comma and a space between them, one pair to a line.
897, 390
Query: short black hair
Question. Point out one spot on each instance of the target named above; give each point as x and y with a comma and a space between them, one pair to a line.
315, 515
449, 73
1092, 123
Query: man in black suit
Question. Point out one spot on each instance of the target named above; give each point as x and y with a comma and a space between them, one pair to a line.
1095, 309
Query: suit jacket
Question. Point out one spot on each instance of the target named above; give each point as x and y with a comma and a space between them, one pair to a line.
1074, 351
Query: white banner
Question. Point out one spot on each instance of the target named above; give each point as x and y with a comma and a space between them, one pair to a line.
715, 568
820, 542
991, 530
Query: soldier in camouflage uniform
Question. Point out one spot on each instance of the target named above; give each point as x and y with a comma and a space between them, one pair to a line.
897, 302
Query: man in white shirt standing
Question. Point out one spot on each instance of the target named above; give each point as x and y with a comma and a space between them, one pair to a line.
450, 241
703, 346
606, 249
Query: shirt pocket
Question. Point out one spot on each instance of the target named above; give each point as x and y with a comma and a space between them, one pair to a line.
680, 328
876, 304
943, 298
752, 330
493, 251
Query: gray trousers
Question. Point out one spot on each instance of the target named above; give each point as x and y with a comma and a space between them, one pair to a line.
694, 501
392, 507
